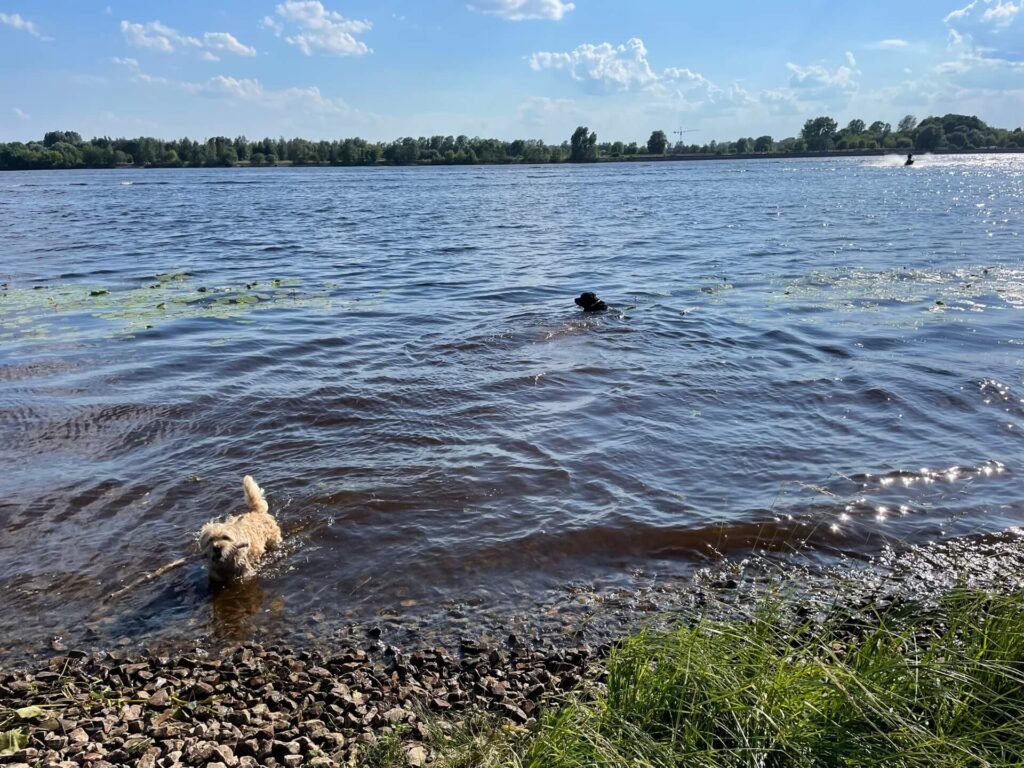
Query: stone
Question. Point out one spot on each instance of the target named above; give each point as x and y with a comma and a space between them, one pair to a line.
514, 713
415, 756
226, 755
282, 748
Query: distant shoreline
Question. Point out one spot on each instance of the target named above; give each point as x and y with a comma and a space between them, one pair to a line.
691, 157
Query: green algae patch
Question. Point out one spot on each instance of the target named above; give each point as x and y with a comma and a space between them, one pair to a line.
934, 292
12, 741
70, 311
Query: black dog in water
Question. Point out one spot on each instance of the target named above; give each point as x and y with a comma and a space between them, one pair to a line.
590, 303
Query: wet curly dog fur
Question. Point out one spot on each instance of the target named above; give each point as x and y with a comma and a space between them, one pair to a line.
234, 546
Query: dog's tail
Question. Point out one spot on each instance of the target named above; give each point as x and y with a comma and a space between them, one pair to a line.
254, 495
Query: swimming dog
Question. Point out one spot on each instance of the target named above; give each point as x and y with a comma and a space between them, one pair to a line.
590, 303
234, 546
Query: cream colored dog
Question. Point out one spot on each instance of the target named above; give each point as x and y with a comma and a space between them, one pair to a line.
232, 548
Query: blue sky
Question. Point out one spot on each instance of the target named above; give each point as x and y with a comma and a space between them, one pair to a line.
500, 68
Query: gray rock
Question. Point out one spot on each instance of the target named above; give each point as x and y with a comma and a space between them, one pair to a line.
416, 756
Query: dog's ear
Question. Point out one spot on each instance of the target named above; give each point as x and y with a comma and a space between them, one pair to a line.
242, 545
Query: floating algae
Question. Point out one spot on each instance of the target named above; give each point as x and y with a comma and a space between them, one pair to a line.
855, 289
69, 311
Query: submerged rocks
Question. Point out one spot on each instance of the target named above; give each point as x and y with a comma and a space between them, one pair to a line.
258, 705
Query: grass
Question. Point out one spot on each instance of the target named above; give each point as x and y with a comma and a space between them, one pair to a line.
911, 686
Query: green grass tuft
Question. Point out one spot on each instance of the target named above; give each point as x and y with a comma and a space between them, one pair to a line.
910, 687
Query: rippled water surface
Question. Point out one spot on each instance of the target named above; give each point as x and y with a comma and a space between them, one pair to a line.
801, 353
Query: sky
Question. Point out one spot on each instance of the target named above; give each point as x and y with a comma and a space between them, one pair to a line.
383, 69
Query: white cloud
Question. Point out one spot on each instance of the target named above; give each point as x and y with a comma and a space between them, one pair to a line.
132, 64
21, 114
318, 29
812, 87
223, 42
987, 29
156, 36
815, 77
999, 13
1002, 14
621, 67
19, 22
519, 10
889, 44
252, 91
627, 68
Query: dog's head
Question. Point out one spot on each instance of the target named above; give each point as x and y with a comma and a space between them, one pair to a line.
225, 553
586, 299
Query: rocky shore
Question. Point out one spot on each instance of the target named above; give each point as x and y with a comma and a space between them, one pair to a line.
274, 705
269, 706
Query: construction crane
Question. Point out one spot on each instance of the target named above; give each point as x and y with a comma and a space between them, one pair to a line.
681, 131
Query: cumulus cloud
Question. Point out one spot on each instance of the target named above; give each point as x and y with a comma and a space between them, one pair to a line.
812, 87
318, 30
223, 42
619, 67
19, 22
988, 29
519, 10
821, 80
627, 68
156, 36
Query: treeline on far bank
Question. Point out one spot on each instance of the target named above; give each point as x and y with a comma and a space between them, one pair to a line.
67, 149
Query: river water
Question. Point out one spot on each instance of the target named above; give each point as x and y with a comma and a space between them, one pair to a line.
821, 355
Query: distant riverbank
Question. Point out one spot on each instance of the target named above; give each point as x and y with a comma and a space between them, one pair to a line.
644, 158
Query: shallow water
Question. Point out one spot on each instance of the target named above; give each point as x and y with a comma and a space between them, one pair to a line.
822, 355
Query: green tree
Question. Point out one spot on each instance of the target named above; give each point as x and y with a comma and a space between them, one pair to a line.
658, 142
819, 133
855, 127
879, 130
583, 146
763, 144
907, 124
929, 137
67, 137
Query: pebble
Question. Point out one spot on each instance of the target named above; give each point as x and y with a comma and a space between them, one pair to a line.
271, 705
284, 707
